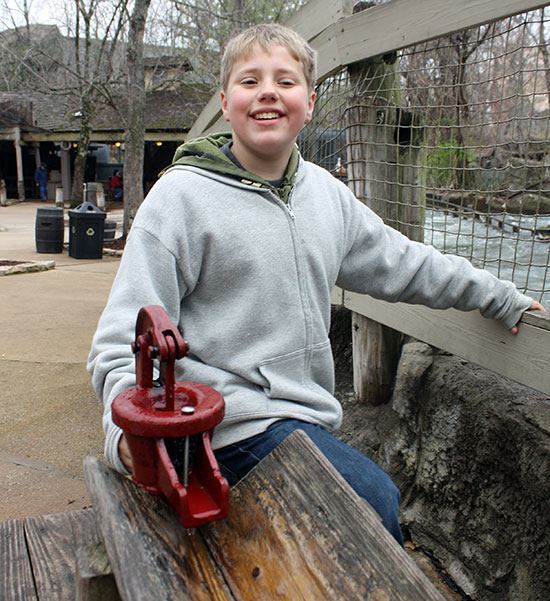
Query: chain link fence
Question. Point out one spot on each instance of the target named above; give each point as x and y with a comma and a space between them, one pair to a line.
448, 141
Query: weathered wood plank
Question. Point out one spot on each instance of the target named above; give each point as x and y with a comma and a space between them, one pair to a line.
537, 318
53, 541
401, 23
296, 530
312, 18
152, 556
524, 357
16, 581
94, 578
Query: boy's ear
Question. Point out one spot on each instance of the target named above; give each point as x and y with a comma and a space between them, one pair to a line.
224, 106
310, 105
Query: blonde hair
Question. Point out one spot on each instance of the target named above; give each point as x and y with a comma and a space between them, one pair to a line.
267, 36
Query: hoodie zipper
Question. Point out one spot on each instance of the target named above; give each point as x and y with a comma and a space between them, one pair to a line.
289, 206
302, 283
290, 211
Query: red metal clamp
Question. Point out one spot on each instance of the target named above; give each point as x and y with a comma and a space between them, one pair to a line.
168, 425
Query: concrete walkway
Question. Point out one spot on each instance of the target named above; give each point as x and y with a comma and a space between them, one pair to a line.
49, 416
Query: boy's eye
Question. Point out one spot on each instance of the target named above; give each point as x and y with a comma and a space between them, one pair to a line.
287, 82
248, 81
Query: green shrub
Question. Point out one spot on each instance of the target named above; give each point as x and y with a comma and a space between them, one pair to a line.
447, 165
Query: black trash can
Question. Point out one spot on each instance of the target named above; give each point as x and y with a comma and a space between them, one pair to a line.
49, 230
86, 227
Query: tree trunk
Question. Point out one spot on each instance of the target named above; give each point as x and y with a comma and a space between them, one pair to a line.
81, 156
135, 131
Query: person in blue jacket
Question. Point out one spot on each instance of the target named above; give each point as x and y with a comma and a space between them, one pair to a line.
41, 180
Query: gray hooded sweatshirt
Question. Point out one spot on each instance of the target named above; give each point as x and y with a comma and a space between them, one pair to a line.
246, 274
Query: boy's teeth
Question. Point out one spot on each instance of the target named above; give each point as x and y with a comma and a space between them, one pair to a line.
266, 116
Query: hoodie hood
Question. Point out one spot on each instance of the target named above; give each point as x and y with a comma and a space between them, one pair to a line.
206, 153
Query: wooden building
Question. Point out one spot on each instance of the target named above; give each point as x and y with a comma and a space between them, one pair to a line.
44, 127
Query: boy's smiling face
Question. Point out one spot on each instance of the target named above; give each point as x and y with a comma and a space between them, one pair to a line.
267, 102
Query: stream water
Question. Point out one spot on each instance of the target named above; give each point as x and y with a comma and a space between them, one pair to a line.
512, 252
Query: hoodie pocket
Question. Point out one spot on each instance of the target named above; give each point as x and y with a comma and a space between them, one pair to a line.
295, 375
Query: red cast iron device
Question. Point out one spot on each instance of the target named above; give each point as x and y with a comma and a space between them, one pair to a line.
168, 425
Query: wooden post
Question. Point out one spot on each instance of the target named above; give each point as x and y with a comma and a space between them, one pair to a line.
382, 154
19, 163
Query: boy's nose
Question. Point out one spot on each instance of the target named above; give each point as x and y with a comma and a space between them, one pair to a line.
268, 92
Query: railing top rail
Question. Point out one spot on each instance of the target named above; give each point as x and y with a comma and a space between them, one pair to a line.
395, 25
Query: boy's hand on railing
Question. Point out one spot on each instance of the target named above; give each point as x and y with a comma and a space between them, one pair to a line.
536, 306
124, 454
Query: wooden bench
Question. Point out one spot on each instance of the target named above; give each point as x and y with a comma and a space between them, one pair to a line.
38, 555
295, 530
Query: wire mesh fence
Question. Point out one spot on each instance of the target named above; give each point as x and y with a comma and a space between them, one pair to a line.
448, 141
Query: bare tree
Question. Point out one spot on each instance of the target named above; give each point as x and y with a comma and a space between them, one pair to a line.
135, 128
202, 27
95, 43
81, 69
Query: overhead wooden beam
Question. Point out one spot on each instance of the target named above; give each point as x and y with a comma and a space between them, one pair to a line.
401, 23
101, 136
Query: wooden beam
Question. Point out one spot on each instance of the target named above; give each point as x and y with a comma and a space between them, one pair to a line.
295, 530
152, 556
524, 357
402, 23
100, 136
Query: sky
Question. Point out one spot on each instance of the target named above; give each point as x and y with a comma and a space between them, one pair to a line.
46, 12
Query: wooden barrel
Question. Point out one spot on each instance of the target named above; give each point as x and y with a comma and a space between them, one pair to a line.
109, 232
49, 230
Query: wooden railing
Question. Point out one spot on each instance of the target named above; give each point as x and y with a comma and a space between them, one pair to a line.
524, 357
342, 38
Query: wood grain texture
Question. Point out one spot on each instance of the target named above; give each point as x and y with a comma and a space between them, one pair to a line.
53, 541
296, 530
16, 581
372, 160
401, 23
524, 357
152, 556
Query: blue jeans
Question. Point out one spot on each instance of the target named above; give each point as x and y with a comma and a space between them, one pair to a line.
365, 477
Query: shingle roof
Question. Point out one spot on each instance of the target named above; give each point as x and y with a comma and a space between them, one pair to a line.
170, 109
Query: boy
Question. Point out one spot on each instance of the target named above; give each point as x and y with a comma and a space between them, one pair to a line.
241, 241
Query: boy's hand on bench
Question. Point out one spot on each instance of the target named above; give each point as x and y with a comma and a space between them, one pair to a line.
124, 454
536, 306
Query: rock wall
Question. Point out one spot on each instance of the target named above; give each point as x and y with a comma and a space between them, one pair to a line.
470, 452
